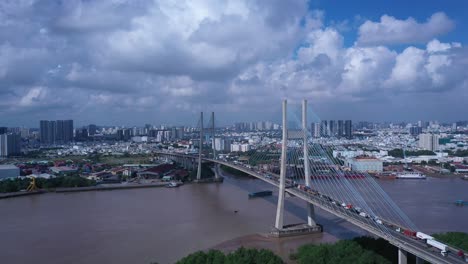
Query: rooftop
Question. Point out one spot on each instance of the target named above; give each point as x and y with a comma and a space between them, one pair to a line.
8, 167
62, 169
365, 158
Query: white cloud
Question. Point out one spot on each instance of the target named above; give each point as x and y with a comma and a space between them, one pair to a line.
34, 96
435, 46
237, 56
391, 30
365, 69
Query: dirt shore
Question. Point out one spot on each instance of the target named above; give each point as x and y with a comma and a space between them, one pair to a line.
283, 247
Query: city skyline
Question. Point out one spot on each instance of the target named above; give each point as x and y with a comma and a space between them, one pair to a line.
134, 62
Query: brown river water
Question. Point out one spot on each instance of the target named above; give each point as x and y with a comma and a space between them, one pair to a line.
164, 224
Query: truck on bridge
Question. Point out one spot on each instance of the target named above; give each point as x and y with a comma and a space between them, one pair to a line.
443, 248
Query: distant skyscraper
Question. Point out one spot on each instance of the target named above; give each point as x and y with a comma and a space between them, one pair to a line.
348, 129
59, 135
315, 129
10, 144
415, 130
429, 141
47, 132
92, 130
81, 134
3, 130
324, 128
53, 132
332, 128
67, 131
340, 131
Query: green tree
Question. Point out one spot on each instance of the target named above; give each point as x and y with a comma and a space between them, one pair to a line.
240, 256
344, 251
457, 239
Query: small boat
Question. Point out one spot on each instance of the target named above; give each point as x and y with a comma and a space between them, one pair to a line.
417, 176
173, 185
385, 176
260, 194
461, 202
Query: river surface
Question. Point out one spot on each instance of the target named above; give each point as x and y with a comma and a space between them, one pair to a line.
162, 225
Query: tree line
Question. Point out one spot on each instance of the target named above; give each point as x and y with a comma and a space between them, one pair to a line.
18, 184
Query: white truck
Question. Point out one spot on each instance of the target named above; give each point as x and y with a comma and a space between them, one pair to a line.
443, 248
423, 236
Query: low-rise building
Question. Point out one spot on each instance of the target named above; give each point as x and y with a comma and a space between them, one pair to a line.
461, 168
63, 170
236, 147
365, 164
9, 171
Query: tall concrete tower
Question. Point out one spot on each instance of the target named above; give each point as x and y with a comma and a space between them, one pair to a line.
310, 207
200, 148
282, 181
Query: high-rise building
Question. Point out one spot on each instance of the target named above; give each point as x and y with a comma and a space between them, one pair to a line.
124, 134
415, 130
180, 133
332, 128
429, 141
47, 132
92, 130
67, 131
340, 128
348, 129
59, 131
222, 144
3, 130
10, 144
53, 132
315, 129
81, 134
324, 128
24, 132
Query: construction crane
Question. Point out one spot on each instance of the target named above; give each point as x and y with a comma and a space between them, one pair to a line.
32, 185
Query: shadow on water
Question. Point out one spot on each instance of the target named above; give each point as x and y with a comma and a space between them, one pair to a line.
331, 224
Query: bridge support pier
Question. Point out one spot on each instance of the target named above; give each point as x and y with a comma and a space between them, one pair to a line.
311, 215
402, 256
419, 260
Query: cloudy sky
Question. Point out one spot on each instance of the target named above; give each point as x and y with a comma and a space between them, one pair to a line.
130, 62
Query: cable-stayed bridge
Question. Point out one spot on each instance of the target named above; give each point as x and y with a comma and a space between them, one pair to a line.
309, 171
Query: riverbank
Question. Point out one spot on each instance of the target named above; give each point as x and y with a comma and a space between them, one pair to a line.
19, 194
109, 187
282, 247
103, 187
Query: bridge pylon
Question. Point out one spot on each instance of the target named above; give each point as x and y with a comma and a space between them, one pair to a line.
310, 207
213, 142
282, 180
280, 229
200, 148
